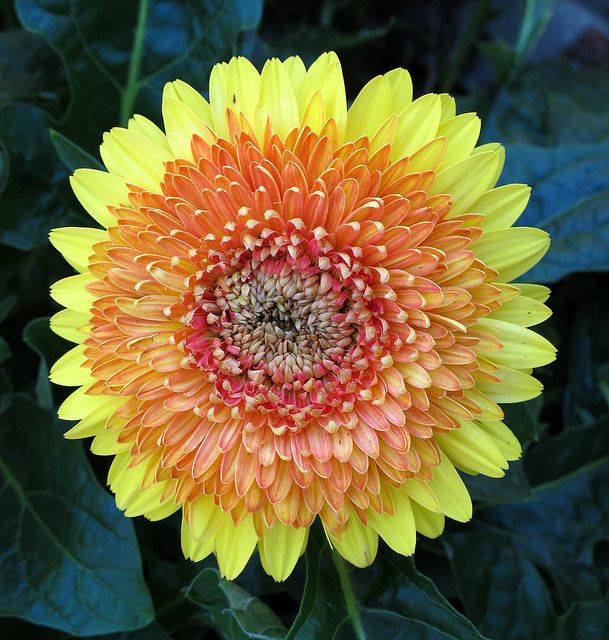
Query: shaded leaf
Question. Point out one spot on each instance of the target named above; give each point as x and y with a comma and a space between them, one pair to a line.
570, 201
503, 592
232, 610
31, 72
559, 528
72, 156
38, 336
69, 559
182, 39
32, 202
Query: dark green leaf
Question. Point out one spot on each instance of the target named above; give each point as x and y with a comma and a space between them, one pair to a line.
584, 621
513, 487
322, 608
70, 559
39, 337
570, 201
559, 528
31, 72
96, 41
72, 156
232, 610
32, 202
556, 456
394, 587
502, 590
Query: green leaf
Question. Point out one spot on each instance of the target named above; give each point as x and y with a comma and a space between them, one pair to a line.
232, 610
119, 57
523, 419
391, 594
38, 336
552, 103
322, 609
503, 592
34, 200
555, 456
392, 589
31, 72
570, 201
70, 559
72, 156
559, 528
513, 487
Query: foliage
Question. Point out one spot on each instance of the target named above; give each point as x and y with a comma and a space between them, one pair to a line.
534, 563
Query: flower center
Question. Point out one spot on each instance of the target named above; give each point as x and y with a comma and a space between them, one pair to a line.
280, 326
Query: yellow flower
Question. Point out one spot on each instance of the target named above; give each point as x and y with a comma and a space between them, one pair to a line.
295, 310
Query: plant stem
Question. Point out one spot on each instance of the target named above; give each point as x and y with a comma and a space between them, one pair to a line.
130, 92
348, 595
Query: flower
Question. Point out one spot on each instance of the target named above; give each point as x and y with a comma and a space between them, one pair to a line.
295, 310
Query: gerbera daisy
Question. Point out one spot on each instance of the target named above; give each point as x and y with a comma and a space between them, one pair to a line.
296, 310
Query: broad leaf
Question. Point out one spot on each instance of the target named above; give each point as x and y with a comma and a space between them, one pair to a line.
570, 201
110, 77
33, 201
69, 558
232, 610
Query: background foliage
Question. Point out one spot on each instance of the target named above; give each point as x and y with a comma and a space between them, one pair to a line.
534, 562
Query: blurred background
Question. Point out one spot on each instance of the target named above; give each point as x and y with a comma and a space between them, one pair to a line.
534, 563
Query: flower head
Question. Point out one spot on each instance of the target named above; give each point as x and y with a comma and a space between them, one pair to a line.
298, 311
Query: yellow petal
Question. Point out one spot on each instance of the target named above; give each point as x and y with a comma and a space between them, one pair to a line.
144, 127
92, 411
420, 491
358, 544
218, 98
536, 292
462, 133
523, 311
279, 548
372, 106
467, 180
76, 244
70, 370
401, 89
522, 348
235, 544
163, 511
515, 386
195, 549
297, 72
325, 75
106, 443
429, 156
513, 251
397, 530
417, 125
96, 190
502, 206
494, 147
181, 124
503, 437
135, 158
428, 523
243, 87
468, 447
70, 325
72, 294
449, 107
452, 494
179, 90
277, 101
204, 517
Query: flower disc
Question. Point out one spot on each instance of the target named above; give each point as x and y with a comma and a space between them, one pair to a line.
295, 310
